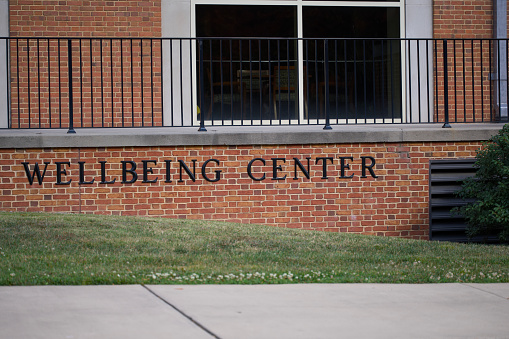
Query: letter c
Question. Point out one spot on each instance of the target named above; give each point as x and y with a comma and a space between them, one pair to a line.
249, 169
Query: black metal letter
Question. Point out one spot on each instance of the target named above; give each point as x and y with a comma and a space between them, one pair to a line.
188, 171
324, 168
298, 163
345, 166
370, 167
204, 174
103, 174
168, 174
147, 170
82, 174
249, 169
131, 171
276, 168
61, 171
40, 177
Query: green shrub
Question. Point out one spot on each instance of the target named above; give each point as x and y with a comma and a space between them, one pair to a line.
489, 214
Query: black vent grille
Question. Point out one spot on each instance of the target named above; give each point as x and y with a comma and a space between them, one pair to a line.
445, 180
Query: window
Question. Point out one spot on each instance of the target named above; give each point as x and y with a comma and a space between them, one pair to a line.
284, 69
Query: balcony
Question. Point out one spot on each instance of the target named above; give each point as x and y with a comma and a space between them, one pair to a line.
55, 83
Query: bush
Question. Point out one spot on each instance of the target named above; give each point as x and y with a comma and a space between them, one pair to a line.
489, 214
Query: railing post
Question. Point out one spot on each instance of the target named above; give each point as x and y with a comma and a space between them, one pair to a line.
5, 107
202, 89
69, 66
446, 88
326, 70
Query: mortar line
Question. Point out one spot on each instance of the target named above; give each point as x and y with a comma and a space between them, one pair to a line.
181, 312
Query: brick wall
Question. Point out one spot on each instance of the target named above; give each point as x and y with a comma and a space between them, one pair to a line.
393, 204
463, 19
458, 19
116, 83
114, 92
88, 18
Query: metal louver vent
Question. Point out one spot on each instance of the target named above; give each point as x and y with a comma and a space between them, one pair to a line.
445, 179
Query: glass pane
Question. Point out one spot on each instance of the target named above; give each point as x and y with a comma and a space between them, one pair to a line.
358, 76
246, 21
245, 78
350, 22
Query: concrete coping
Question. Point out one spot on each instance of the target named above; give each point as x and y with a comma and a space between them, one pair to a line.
244, 135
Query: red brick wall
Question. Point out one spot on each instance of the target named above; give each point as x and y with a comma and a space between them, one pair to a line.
394, 204
88, 18
458, 19
463, 19
102, 102
117, 83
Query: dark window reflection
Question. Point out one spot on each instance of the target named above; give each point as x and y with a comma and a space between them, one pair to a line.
257, 78
246, 21
364, 72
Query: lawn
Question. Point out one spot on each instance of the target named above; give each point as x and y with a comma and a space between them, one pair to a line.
64, 249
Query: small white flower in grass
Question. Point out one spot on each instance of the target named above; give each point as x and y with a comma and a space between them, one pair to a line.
449, 275
13, 274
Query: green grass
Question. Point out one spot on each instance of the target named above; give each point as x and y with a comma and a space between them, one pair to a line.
59, 249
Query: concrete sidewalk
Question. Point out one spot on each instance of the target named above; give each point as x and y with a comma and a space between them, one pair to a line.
256, 311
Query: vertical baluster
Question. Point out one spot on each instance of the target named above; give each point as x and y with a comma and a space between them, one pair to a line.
122, 78
69, 73
202, 87
81, 83
446, 87
326, 73
39, 80
409, 49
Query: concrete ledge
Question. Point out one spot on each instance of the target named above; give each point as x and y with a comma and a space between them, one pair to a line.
235, 135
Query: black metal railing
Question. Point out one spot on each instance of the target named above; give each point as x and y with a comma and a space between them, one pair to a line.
138, 82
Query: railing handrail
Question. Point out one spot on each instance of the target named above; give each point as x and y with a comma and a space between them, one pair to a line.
245, 38
413, 79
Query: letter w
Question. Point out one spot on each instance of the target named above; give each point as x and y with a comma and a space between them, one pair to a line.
37, 171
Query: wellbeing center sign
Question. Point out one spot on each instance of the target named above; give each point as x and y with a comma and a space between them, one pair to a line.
210, 170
